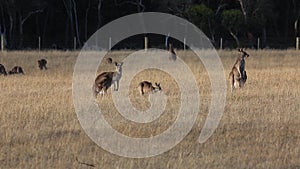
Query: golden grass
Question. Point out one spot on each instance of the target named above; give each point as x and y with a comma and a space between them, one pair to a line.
260, 127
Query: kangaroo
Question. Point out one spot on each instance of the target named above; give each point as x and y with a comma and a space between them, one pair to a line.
2, 70
172, 53
42, 64
146, 87
104, 80
16, 70
238, 75
109, 60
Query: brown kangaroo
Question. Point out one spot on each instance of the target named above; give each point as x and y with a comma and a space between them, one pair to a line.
147, 87
42, 64
238, 75
109, 60
16, 70
104, 80
2, 70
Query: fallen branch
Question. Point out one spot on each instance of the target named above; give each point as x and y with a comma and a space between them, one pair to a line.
90, 165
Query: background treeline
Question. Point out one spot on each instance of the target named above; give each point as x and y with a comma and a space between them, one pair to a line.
238, 22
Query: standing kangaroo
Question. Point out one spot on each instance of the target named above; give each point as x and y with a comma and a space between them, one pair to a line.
238, 75
146, 87
109, 60
42, 64
106, 79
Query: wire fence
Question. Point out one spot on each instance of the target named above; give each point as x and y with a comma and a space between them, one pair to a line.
151, 41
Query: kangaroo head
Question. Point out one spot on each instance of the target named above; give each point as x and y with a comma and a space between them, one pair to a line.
158, 86
243, 53
118, 66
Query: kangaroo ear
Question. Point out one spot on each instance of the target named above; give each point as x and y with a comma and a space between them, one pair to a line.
116, 63
240, 50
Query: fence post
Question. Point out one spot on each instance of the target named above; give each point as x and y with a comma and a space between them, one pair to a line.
2, 43
221, 43
258, 43
167, 41
146, 43
109, 44
74, 43
297, 43
96, 40
39, 43
184, 43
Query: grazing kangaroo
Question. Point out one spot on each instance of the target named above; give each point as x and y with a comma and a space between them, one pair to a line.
109, 60
238, 75
42, 64
146, 87
172, 53
106, 79
2, 70
16, 70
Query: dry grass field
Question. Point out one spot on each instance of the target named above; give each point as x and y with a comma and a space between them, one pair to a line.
260, 127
